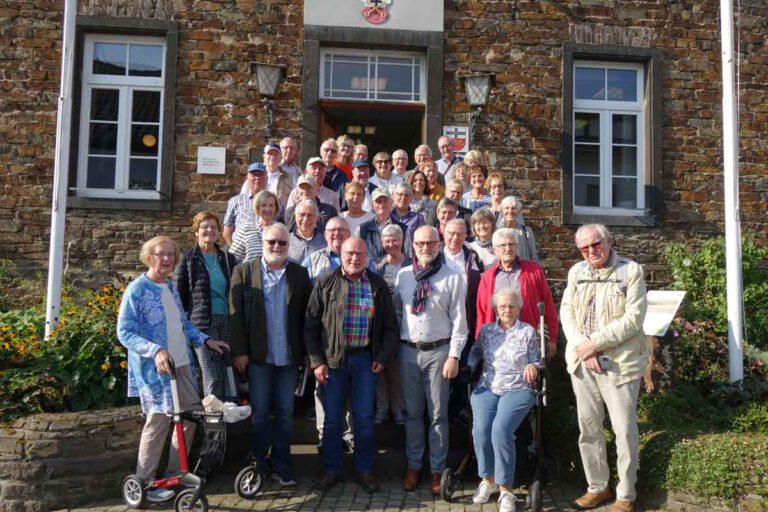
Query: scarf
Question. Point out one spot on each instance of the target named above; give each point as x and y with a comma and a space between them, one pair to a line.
423, 289
484, 244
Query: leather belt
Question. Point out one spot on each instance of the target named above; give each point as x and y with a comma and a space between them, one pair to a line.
426, 345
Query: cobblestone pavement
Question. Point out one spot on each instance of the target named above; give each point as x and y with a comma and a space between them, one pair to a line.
348, 496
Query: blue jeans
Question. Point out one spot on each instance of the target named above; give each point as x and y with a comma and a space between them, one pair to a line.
271, 387
496, 418
356, 380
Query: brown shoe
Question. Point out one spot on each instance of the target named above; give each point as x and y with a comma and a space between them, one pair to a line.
368, 481
592, 500
328, 480
623, 506
435, 487
411, 480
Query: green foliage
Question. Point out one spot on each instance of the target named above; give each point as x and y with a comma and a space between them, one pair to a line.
702, 274
80, 366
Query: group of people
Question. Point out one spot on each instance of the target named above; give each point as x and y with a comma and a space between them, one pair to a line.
386, 283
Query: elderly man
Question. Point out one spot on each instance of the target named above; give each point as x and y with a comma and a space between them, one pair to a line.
316, 169
400, 162
289, 151
361, 173
268, 299
421, 156
402, 212
305, 238
448, 158
348, 348
527, 276
370, 231
361, 152
239, 210
433, 331
306, 188
279, 182
334, 177
454, 190
603, 309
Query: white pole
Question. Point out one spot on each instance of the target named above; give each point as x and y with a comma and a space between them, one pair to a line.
731, 186
61, 170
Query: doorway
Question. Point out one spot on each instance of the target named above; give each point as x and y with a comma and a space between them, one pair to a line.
380, 126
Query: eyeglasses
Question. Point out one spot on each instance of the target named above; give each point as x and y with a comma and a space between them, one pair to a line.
594, 245
508, 245
163, 255
428, 243
507, 306
329, 150
336, 230
279, 243
383, 161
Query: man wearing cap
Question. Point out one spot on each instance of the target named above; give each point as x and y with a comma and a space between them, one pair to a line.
307, 190
289, 150
370, 231
361, 173
278, 181
239, 210
448, 159
334, 177
316, 169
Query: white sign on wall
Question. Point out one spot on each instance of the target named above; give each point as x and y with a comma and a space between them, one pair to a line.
420, 15
211, 160
460, 137
662, 307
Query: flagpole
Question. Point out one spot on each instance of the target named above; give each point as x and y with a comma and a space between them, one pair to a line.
60, 170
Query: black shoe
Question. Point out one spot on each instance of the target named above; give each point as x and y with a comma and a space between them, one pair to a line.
328, 480
368, 481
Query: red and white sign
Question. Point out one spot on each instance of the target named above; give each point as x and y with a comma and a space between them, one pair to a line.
376, 12
460, 137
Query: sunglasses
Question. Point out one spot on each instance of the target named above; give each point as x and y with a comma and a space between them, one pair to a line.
595, 246
280, 243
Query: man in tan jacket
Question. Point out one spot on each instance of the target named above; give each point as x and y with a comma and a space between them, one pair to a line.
602, 314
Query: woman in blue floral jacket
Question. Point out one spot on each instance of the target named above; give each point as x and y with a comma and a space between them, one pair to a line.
153, 327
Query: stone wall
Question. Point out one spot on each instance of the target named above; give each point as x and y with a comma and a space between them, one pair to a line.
53, 461
520, 131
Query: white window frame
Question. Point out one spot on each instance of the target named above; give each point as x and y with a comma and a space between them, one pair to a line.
373, 56
126, 85
606, 109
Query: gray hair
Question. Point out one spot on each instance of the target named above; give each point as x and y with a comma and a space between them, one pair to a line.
399, 152
512, 201
509, 293
446, 202
457, 222
307, 203
338, 220
279, 226
503, 233
600, 228
404, 187
423, 146
482, 214
392, 230
457, 182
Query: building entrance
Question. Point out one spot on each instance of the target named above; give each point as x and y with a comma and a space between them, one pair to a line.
380, 126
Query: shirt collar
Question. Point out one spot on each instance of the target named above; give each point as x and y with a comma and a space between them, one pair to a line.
267, 269
363, 276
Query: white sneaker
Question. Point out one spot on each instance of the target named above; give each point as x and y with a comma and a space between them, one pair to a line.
160, 495
506, 502
483, 492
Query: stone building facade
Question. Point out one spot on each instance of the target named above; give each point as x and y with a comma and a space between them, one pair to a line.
544, 127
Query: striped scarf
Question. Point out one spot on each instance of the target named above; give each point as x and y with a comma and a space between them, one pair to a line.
423, 289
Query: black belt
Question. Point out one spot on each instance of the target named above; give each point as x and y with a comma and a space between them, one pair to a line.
426, 345
357, 350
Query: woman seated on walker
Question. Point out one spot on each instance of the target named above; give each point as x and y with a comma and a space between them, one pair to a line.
508, 349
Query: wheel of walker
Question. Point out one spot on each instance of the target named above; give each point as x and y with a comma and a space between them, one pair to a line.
184, 499
134, 494
248, 482
534, 494
447, 485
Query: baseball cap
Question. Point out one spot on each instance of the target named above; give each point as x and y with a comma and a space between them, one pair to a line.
380, 192
271, 147
306, 180
360, 162
314, 160
257, 167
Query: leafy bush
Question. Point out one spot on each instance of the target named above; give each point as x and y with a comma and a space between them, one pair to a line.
80, 366
702, 274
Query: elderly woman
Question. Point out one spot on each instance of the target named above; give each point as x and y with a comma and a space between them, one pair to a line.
202, 280
354, 195
384, 177
512, 215
461, 173
482, 224
420, 201
389, 390
504, 395
305, 238
246, 243
477, 197
497, 190
154, 328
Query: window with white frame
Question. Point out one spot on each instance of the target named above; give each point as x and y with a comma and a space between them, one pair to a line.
121, 117
372, 75
608, 145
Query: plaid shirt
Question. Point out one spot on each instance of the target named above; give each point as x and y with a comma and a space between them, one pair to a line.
358, 312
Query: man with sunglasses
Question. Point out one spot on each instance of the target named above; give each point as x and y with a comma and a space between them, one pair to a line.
602, 312
268, 298
335, 178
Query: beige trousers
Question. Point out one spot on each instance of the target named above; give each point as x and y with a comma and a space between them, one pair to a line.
155, 429
592, 390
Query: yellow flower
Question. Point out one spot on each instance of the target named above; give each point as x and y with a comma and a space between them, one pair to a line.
106, 366
123, 364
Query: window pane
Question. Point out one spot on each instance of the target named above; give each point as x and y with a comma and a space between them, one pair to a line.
394, 78
143, 174
104, 104
146, 60
624, 161
103, 139
101, 172
327, 77
144, 140
589, 84
587, 127
109, 58
350, 76
587, 159
146, 106
586, 191
624, 129
624, 193
622, 85
396, 60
